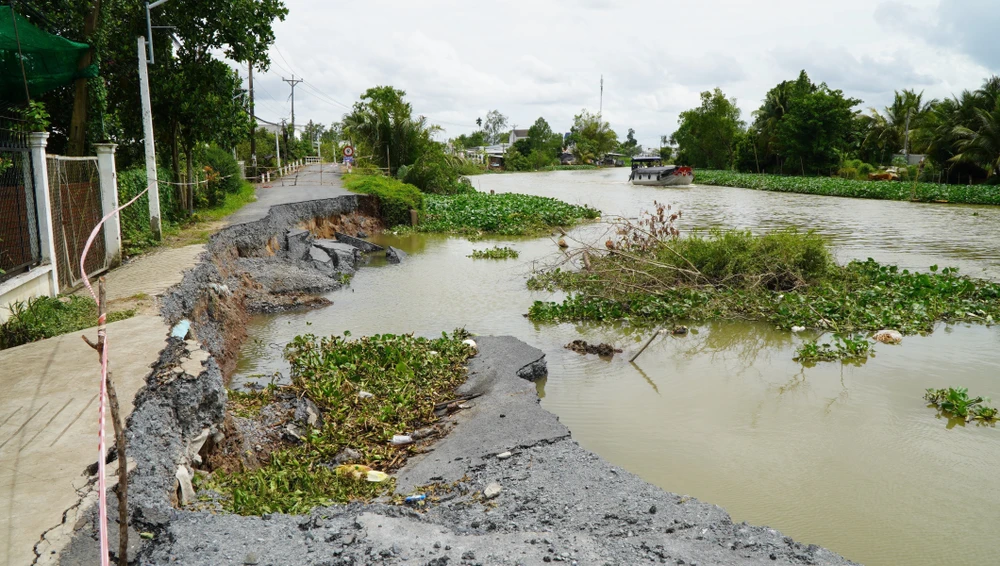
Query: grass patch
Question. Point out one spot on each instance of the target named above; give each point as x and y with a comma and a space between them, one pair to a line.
507, 214
835, 186
569, 167
784, 278
405, 376
45, 317
396, 197
496, 252
956, 403
230, 204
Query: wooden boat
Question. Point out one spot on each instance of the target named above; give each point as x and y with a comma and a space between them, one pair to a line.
652, 171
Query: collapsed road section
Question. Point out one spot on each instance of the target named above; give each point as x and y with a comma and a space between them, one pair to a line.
507, 484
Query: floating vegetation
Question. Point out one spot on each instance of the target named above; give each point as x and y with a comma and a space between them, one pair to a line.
834, 186
582, 347
856, 348
366, 392
508, 214
496, 252
957, 403
785, 278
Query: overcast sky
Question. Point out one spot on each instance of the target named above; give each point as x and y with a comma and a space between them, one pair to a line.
458, 60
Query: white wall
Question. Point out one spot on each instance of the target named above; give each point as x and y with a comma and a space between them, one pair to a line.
34, 283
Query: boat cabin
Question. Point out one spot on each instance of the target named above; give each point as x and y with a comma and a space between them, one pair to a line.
646, 161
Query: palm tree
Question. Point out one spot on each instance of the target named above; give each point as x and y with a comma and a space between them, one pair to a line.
905, 119
982, 144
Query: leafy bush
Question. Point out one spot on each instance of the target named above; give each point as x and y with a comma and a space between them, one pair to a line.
45, 317
136, 233
847, 173
396, 198
222, 175
865, 169
882, 190
507, 214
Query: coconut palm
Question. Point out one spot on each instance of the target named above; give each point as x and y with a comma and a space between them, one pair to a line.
980, 144
887, 130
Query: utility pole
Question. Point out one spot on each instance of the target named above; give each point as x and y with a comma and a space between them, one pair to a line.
293, 81
253, 123
600, 109
152, 181
277, 147
906, 138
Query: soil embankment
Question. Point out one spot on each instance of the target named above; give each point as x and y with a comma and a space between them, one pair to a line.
509, 483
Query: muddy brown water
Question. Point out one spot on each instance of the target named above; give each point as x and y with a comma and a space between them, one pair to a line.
846, 457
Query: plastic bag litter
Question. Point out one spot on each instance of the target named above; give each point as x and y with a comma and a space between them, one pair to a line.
376, 476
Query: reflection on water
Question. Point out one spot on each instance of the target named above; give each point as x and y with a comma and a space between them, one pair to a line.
847, 457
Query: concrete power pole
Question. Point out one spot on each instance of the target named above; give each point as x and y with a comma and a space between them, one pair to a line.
253, 124
293, 81
147, 132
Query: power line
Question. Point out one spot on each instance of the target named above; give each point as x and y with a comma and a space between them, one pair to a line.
293, 81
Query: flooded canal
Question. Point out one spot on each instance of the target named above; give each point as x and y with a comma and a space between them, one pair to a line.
846, 457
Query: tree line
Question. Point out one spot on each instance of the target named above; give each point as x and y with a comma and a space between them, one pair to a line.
804, 128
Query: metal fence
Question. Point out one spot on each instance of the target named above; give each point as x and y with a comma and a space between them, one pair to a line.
75, 194
20, 247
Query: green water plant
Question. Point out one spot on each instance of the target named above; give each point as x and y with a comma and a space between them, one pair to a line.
845, 348
841, 187
507, 214
786, 278
496, 252
956, 402
368, 390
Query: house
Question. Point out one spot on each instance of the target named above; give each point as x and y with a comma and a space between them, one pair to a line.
495, 155
516, 135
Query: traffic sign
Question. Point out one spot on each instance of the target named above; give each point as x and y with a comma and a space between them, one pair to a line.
348, 151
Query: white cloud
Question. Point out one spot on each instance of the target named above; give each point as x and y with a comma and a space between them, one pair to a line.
545, 58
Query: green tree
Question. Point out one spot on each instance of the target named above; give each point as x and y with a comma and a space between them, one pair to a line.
706, 136
591, 137
980, 144
469, 141
630, 146
885, 133
495, 127
542, 139
815, 130
384, 129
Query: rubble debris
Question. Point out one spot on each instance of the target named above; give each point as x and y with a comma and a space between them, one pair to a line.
603, 350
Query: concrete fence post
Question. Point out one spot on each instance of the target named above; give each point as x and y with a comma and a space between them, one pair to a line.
37, 141
109, 201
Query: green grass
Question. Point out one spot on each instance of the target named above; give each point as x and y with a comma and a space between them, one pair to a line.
45, 317
496, 252
233, 202
583, 167
506, 214
834, 186
784, 278
406, 377
396, 197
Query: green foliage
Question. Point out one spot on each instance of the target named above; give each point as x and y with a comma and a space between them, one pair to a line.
856, 348
882, 190
136, 233
495, 128
396, 198
592, 137
434, 172
496, 252
707, 136
788, 281
957, 403
815, 128
505, 214
45, 317
222, 176
475, 139
406, 377
36, 117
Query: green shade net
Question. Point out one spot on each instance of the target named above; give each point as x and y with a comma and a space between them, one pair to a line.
50, 61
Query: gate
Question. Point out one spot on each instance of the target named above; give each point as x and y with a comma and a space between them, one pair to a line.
75, 192
20, 247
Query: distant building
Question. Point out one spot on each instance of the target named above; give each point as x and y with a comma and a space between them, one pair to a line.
517, 135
